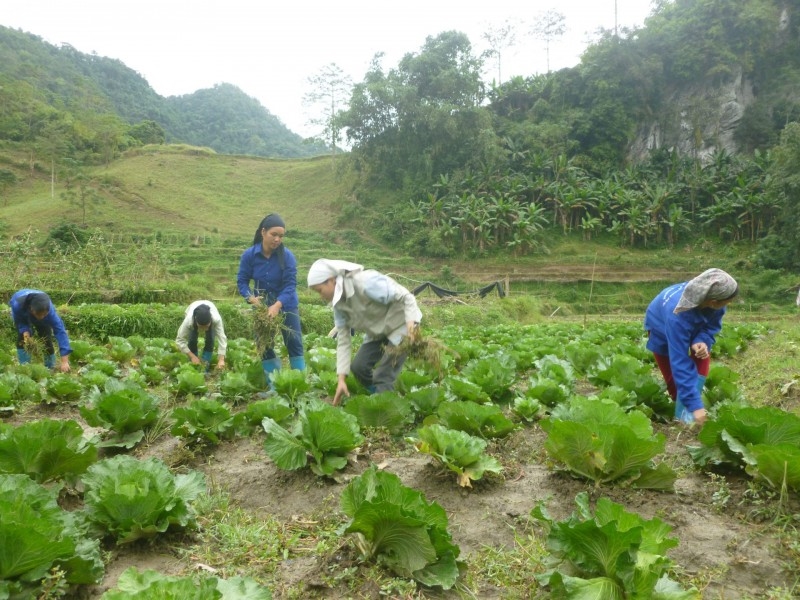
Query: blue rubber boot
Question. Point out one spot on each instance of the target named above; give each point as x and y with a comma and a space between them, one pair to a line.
50, 361
297, 362
23, 356
270, 365
206, 358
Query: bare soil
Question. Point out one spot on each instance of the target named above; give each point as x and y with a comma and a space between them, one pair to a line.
724, 548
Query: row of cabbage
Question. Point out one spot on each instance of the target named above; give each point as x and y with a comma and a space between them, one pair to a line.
485, 387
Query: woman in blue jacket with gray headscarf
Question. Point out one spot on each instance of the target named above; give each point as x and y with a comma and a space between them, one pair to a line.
682, 323
273, 270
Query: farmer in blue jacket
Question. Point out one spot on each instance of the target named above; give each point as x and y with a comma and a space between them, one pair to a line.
273, 270
34, 315
682, 323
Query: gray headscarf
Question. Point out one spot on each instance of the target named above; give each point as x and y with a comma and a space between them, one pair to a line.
324, 269
713, 284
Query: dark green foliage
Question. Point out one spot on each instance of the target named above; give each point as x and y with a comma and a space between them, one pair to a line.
104, 107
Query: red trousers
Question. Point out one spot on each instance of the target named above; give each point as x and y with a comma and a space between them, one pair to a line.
702, 364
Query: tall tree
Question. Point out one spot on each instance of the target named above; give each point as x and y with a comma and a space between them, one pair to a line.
549, 26
330, 89
424, 118
500, 37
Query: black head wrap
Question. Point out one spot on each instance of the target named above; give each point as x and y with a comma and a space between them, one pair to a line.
37, 302
202, 314
268, 222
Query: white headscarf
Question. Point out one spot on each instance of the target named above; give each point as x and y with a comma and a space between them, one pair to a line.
713, 284
324, 269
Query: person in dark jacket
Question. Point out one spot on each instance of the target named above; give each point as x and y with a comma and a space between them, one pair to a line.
273, 270
35, 315
682, 323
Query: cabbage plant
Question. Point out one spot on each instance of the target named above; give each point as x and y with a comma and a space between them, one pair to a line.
149, 584
46, 450
598, 440
482, 420
38, 536
611, 554
133, 499
397, 527
387, 410
204, 420
460, 452
764, 441
125, 409
324, 433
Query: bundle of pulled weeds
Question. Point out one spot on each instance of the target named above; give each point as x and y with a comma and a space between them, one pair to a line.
266, 327
425, 349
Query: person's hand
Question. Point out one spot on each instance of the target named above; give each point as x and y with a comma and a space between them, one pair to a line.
700, 416
193, 357
64, 367
274, 310
26, 336
341, 390
254, 300
221, 362
700, 350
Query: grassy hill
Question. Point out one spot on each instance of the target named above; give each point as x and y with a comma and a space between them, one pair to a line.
204, 207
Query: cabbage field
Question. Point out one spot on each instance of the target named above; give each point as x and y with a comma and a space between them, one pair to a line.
536, 461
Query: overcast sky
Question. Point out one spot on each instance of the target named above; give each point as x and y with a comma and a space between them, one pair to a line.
269, 49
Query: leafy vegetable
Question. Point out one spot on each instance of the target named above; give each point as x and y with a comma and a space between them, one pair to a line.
189, 381
204, 420
37, 536
152, 585
290, 383
495, 375
426, 400
527, 408
46, 450
120, 349
276, 408
613, 554
458, 451
598, 440
124, 408
324, 432
132, 499
484, 420
765, 441
16, 388
388, 410
399, 528
235, 386
64, 387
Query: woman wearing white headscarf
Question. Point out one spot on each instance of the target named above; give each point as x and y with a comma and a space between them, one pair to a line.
375, 304
682, 323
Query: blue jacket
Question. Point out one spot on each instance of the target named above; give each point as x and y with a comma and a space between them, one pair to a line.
269, 278
672, 335
24, 320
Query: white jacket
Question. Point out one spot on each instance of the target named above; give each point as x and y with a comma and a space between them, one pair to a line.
182, 340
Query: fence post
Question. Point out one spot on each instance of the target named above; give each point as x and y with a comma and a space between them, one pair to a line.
507, 285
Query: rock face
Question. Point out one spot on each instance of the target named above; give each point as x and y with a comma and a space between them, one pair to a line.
697, 122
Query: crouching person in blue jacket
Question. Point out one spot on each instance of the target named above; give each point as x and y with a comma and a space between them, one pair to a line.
35, 315
682, 323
